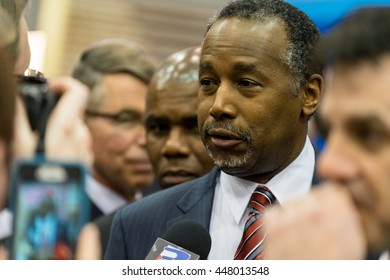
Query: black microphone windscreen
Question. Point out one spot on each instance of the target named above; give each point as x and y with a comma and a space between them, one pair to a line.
191, 236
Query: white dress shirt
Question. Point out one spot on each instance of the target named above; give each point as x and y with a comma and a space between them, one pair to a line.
5, 223
385, 256
232, 195
104, 198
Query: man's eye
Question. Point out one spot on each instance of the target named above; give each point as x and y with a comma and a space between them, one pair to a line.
206, 83
158, 129
208, 86
193, 128
247, 83
371, 138
127, 118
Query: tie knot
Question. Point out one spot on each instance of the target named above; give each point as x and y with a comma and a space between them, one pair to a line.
261, 197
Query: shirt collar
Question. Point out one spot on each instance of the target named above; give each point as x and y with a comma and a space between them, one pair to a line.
294, 181
237, 192
5, 223
105, 199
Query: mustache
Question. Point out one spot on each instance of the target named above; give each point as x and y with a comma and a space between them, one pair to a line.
228, 126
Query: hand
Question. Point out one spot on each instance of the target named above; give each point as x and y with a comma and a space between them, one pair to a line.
3, 253
88, 244
322, 225
67, 137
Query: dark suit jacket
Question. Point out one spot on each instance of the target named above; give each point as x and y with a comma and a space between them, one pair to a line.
190, 200
97, 214
103, 222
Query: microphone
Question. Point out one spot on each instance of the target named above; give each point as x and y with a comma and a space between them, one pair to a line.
185, 240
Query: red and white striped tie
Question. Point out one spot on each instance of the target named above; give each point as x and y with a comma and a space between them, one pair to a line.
251, 245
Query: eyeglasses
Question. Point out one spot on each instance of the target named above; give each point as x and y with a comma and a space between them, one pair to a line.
125, 118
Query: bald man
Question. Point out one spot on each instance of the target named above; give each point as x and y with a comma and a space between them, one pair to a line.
173, 142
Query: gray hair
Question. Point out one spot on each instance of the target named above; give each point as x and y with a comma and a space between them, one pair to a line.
112, 56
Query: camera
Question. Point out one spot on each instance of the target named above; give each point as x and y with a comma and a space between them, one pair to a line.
38, 99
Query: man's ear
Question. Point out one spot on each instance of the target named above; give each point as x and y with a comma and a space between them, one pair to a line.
312, 94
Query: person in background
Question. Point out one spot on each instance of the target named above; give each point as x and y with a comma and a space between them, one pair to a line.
117, 72
349, 216
173, 142
258, 88
172, 135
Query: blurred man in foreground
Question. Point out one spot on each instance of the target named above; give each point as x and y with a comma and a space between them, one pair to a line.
349, 217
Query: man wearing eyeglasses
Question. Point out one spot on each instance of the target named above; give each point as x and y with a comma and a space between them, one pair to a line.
117, 72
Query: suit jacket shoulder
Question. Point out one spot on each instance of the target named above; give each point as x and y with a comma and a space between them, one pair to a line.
136, 227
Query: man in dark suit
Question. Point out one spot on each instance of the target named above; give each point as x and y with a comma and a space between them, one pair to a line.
117, 72
259, 86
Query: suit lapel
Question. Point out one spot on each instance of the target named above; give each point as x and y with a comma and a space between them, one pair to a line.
196, 204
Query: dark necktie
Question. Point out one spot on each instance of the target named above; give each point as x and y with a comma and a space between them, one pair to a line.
251, 245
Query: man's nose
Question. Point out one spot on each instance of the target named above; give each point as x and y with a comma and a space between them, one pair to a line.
337, 160
176, 145
224, 105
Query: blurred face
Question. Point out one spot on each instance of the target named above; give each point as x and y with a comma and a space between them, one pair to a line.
357, 154
173, 141
121, 161
249, 120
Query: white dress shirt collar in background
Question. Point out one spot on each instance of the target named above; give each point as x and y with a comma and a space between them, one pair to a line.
385, 256
104, 198
5, 223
